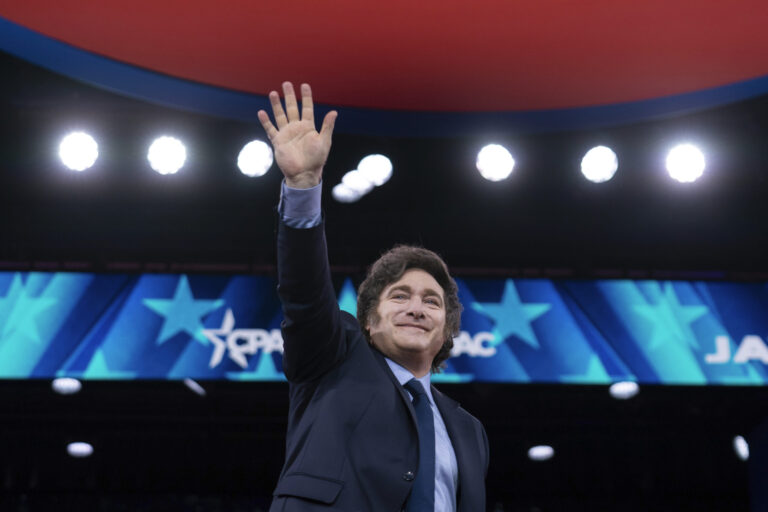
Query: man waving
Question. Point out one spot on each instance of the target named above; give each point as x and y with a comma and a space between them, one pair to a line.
366, 429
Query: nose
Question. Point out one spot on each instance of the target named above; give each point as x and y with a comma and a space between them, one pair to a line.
416, 307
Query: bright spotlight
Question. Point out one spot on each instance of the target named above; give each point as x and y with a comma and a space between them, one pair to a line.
345, 194
741, 447
376, 168
66, 386
685, 163
599, 164
494, 162
167, 155
624, 390
255, 158
78, 151
541, 452
357, 181
79, 450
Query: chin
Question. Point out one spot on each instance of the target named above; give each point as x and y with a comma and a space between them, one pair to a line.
415, 345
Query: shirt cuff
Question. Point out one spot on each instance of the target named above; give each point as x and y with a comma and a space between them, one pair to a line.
300, 207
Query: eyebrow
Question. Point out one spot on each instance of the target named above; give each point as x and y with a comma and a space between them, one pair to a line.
406, 288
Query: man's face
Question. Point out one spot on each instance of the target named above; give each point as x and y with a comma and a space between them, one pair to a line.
411, 320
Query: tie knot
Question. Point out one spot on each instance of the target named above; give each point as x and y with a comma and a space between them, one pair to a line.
415, 387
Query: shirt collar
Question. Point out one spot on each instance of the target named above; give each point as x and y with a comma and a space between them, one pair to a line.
402, 375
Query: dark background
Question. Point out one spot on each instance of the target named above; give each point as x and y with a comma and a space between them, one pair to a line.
160, 447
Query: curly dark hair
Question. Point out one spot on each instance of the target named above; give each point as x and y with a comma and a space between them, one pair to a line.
389, 268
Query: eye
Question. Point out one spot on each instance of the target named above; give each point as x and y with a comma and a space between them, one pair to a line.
432, 301
399, 296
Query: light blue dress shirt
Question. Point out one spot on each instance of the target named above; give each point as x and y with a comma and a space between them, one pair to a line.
300, 208
446, 467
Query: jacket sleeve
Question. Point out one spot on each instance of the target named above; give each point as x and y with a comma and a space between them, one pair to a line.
313, 333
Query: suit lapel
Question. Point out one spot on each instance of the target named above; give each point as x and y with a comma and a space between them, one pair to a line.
400, 389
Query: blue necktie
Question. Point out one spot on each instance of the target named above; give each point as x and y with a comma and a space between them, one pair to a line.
423, 492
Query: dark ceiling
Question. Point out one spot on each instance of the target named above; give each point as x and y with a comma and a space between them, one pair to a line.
545, 218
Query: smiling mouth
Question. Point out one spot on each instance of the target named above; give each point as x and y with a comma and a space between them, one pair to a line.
420, 327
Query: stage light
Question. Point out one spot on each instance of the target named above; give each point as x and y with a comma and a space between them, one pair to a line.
194, 387
78, 151
66, 386
541, 452
167, 155
357, 182
599, 164
255, 158
345, 194
741, 447
685, 163
494, 162
80, 450
376, 168
624, 390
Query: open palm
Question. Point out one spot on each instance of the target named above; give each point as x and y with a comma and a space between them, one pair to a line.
300, 150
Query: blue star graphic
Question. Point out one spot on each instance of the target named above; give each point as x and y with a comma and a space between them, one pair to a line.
22, 310
671, 320
348, 298
512, 316
182, 313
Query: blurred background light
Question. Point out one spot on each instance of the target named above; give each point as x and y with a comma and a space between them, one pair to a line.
624, 390
66, 386
167, 155
78, 151
685, 163
357, 182
376, 168
79, 450
495, 162
255, 158
541, 452
599, 164
345, 194
195, 387
741, 447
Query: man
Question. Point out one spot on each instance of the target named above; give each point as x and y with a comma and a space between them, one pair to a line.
366, 431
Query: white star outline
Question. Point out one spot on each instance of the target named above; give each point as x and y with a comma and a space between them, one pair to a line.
226, 337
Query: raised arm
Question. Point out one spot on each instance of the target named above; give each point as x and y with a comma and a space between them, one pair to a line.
312, 327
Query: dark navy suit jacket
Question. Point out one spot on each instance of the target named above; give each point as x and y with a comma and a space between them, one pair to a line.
352, 443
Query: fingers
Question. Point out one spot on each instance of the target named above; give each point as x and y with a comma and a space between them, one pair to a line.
291, 107
307, 107
291, 111
277, 110
328, 123
267, 124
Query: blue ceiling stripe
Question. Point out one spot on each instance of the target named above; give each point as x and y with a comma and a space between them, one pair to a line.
168, 91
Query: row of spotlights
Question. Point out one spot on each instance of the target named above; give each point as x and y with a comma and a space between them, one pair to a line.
79, 151
685, 163
167, 155
372, 171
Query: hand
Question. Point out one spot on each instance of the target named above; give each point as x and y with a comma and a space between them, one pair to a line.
300, 151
